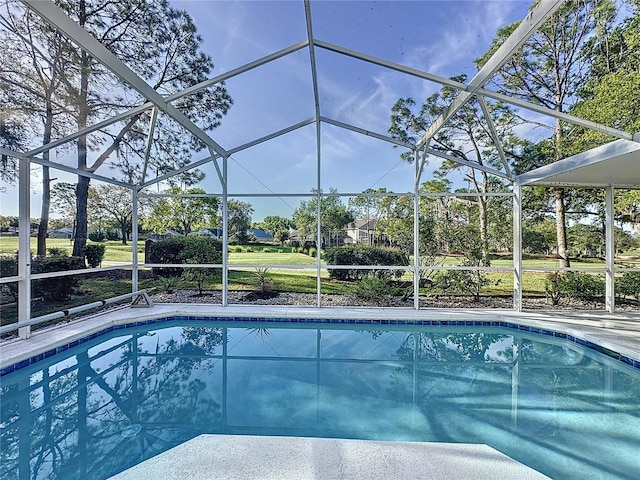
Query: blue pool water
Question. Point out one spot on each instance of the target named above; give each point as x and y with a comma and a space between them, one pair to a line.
118, 399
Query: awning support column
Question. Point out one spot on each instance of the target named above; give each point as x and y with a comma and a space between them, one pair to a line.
24, 252
517, 247
609, 251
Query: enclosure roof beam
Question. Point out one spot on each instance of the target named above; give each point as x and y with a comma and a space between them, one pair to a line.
271, 136
494, 135
368, 133
556, 114
538, 14
237, 71
391, 65
92, 128
171, 98
58, 19
64, 168
177, 171
461, 161
149, 143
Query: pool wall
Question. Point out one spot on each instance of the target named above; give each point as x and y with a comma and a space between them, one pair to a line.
18, 354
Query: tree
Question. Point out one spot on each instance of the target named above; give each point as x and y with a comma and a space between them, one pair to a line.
33, 74
274, 223
465, 136
334, 216
239, 221
200, 250
548, 70
181, 213
160, 43
609, 95
114, 203
64, 200
281, 236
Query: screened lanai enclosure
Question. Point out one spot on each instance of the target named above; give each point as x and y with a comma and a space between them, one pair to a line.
373, 154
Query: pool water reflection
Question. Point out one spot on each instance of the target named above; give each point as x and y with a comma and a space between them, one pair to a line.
110, 403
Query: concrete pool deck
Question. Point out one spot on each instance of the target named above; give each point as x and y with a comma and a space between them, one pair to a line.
235, 457
619, 332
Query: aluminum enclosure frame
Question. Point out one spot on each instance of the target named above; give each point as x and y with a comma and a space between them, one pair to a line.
156, 102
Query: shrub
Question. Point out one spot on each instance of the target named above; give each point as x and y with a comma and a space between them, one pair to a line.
364, 255
629, 285
57, 252
57, 288
172, 250
552, 287
168, 250
313, 252
94, 254
266, 250
465, 282
376, 290
9, 268
574, 285
236, 249
96, 236
582, 286
200, 250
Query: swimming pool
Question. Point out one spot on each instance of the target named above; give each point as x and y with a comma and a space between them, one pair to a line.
90, 410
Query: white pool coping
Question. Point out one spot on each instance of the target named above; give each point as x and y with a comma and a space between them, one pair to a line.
619, 332
240, 457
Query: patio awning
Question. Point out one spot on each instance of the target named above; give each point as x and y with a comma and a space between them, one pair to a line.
614, 164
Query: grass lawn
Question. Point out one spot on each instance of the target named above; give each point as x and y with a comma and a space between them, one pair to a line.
285, 280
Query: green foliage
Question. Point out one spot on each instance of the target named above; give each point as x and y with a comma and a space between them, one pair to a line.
629, 285
334, 216
169, 283
262, 275
364, 255
9, 268
466, 282
183, 214
57, 252
94, 253
552, 287
96, 236
239, 221
574, 285
312, 252
176, 250
281, 236
56, 288
200, 250
376, 290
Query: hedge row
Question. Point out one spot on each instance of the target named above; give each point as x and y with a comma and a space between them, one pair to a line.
364, 255
177, 250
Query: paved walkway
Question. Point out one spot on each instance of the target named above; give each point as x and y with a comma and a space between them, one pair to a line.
235, 457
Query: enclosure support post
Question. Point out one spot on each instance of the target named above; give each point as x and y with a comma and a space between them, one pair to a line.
24, 252
134, 239
517, 247
610, 251
416, 231
225, 234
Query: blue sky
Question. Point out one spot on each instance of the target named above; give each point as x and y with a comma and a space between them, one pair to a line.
441, 37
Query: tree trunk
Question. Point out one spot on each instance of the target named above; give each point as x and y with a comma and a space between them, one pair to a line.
82, 195
561, 227
82, 189
46, 182
43, 227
